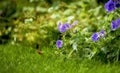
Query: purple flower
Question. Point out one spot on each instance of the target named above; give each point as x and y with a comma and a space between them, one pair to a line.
95, 36
102, 33
110, 6
115, 24
59, 43
63, 27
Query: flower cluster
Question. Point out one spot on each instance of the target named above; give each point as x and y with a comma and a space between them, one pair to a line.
63, 28
97, 35
111, 5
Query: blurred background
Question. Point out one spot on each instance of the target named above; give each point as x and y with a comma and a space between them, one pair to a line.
35, 21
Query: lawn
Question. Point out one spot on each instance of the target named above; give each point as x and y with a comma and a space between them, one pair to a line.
24, 59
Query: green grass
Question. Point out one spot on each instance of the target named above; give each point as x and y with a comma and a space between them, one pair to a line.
19, 59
